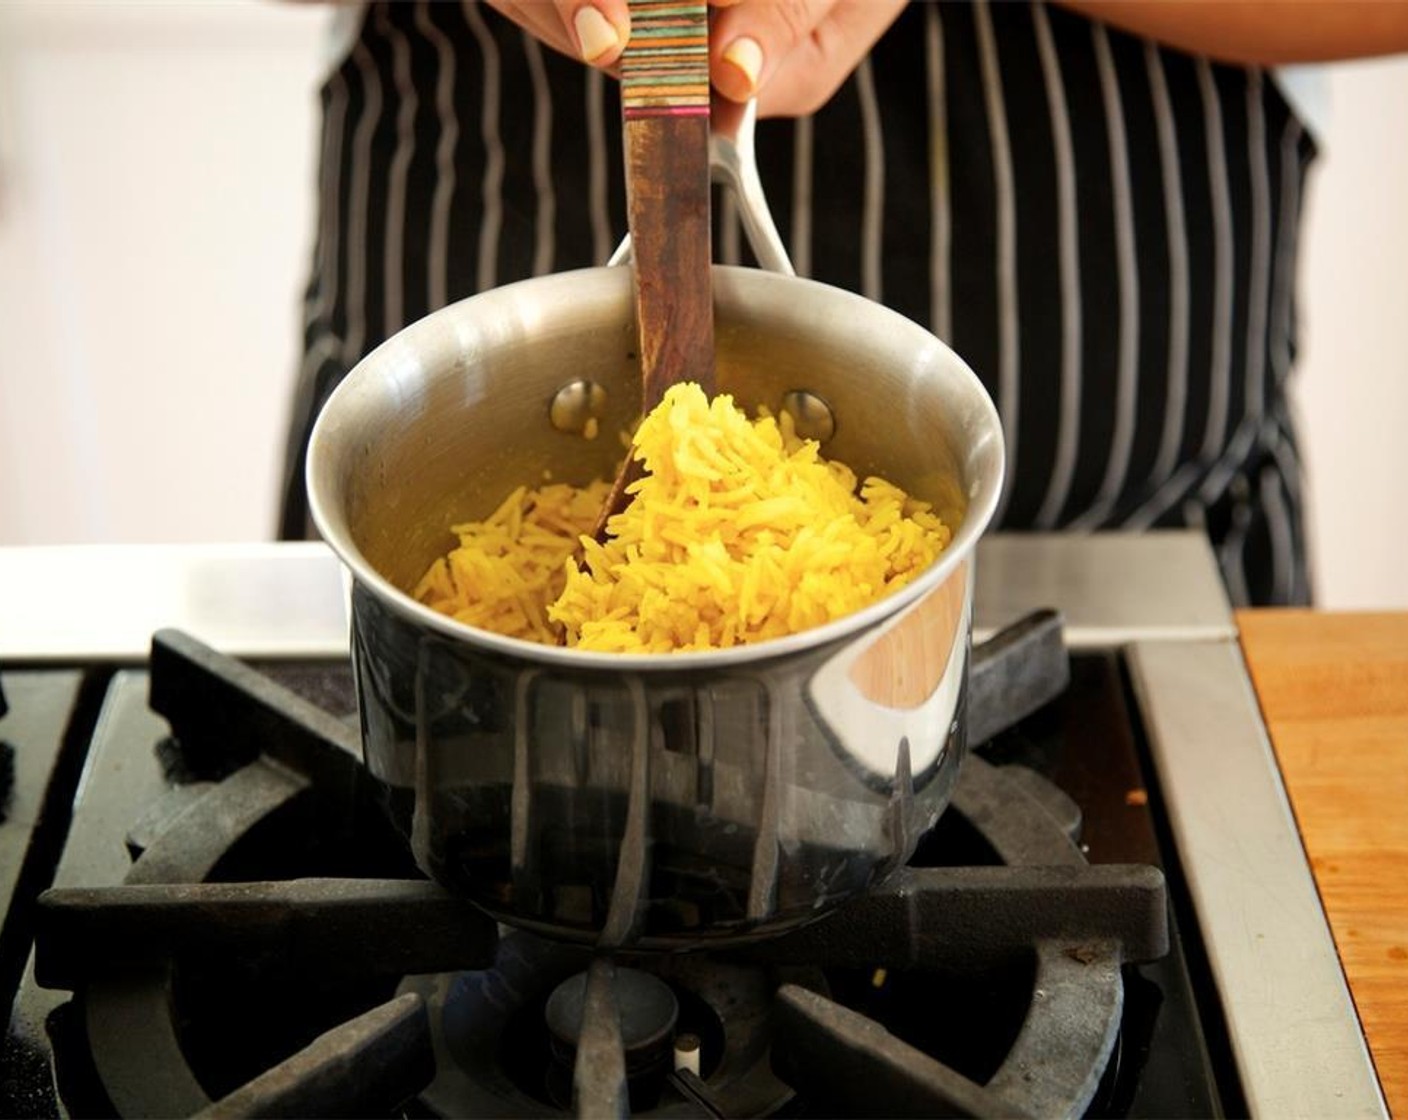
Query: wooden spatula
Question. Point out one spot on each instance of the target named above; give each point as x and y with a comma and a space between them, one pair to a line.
665, 121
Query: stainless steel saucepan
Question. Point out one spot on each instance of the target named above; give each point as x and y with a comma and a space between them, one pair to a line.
657, 800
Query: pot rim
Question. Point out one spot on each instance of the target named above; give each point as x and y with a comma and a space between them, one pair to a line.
964, 541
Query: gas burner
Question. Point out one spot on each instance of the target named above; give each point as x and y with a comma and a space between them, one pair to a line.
271, 949
491, 1030
647, 1011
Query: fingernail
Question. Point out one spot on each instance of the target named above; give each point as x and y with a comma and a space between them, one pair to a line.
594, 33
747, 56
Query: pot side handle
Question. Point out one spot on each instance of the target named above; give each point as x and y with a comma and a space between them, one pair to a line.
734, 165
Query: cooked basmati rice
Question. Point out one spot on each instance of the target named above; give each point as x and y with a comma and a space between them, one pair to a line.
739, 532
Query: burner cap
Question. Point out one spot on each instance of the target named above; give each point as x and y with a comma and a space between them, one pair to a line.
648, 1010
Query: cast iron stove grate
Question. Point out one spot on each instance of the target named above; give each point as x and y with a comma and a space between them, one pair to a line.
271, 884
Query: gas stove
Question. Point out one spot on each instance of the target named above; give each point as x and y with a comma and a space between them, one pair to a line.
1114, 917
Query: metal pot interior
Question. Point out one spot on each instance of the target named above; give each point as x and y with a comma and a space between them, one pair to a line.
442, 421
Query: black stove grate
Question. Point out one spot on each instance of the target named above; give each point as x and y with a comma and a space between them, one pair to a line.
217, 905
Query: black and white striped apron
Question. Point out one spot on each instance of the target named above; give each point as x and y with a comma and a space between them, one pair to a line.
1104, 229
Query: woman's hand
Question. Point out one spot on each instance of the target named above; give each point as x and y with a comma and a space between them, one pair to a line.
792, 55
593, 30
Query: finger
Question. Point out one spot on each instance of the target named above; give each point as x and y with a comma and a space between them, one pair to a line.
807, 78
599, 28
541, 20
749, 40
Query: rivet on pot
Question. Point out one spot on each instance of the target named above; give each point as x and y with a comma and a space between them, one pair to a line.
811, 415
576, 403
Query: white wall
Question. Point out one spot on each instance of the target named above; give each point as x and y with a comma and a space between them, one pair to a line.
156, 187
156, 170
1354, 361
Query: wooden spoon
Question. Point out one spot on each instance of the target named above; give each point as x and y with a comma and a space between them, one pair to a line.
665, 122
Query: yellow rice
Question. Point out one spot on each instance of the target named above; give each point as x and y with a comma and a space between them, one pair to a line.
739, 532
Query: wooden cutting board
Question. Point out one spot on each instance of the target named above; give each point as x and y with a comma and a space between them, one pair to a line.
1334, 692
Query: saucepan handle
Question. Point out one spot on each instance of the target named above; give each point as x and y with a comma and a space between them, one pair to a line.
733, 165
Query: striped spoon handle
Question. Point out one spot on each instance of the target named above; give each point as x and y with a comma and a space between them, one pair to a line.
665, 67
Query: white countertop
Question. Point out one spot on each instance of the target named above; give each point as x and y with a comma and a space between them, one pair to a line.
83, 603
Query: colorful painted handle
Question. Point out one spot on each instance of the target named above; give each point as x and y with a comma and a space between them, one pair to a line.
665, 67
